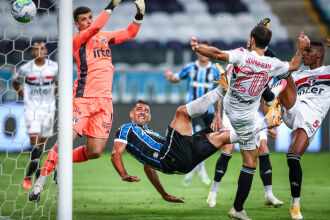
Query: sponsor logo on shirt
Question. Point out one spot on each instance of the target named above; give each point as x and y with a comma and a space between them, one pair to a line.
40, 91
240, 99
101, 53
307, 90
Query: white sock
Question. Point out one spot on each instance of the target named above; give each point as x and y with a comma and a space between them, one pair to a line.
295, 201
202, 104
201, 170
263, 123
42, 180
268, 191
215, 186
190, 175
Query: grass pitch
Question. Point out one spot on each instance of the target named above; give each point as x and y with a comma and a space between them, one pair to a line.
99, 193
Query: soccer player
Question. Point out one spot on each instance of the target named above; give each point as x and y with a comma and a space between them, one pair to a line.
252, 70
200, 75
39, 76
263, 155
92, 102
305, 102
179, 152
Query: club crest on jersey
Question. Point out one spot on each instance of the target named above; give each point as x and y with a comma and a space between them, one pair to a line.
104, 41
312, 80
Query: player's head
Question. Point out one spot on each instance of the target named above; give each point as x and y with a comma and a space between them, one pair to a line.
260, 36
314, 53
38, 50
202, 58
83, 17
140, 113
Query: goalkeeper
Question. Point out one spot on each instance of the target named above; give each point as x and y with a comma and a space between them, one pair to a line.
92, 102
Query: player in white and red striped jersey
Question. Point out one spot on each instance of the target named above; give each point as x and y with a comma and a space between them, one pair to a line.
305, 102
252, 71
39, 78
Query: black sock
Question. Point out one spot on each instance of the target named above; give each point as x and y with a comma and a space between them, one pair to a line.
268, 95
35, 158
295, 173
265, 169
221, 166
244, 186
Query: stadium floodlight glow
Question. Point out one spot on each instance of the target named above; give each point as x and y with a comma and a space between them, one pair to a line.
65, 110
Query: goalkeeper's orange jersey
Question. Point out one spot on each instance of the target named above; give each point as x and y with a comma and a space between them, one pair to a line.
93, 55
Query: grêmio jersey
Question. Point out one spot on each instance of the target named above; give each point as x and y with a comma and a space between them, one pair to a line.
313, 87
39, 84
250, 74
93, 56
142, 143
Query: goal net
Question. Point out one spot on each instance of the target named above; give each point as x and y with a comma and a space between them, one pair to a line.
16, 40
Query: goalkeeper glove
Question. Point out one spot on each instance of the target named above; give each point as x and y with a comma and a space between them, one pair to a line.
140, 6
265, 21
112, 4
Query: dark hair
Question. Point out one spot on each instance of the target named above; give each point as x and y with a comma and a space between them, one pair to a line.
79, 11
206, 42
262, 35
140, 102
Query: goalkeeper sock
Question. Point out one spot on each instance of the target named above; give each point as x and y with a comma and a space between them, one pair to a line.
221, 166
51, 161
79, 154
202, 104
34, 160
244, 186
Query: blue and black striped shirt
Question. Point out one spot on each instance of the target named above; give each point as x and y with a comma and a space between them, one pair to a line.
200, 80
142, 143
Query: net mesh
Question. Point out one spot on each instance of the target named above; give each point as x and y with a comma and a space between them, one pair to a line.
16, 40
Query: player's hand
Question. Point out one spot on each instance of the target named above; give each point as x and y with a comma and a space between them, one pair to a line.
168, 74
328, 42
129, 178
272, 133
216, 123
303, 41
140, 6
170, 198
193, 43
112, 4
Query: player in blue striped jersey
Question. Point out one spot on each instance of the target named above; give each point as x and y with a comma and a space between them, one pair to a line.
200, 75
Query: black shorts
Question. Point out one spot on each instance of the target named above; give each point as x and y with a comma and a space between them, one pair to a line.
180, 154
201, 122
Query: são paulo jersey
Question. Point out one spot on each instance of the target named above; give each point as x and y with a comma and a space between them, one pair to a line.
247, 82
313, 87
39, 84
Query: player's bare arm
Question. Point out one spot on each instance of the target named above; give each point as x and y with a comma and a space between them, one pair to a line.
154, 179
210, 52
303, 42
116, 159
18, 88
217, 122
170, 76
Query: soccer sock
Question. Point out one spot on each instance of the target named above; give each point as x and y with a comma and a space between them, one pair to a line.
221, 166
202, 104
295, 176
34, 160
268, 95
201, 170
51, 161
190, 175
215, 186
79, 154
265, 169
244, 186
42, 180
263, 123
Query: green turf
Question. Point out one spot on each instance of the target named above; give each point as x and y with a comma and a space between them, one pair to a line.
99, 193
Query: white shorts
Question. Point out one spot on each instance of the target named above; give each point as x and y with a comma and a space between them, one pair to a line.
301, 115
39, 122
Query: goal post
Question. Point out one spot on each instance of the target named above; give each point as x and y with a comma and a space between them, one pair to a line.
65, 110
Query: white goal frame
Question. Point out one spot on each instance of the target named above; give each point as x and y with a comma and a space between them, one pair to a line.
65, 110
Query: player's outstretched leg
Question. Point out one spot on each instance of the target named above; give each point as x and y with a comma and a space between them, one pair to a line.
203, 174
220, 170
35, 155
188, 177
265, 169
